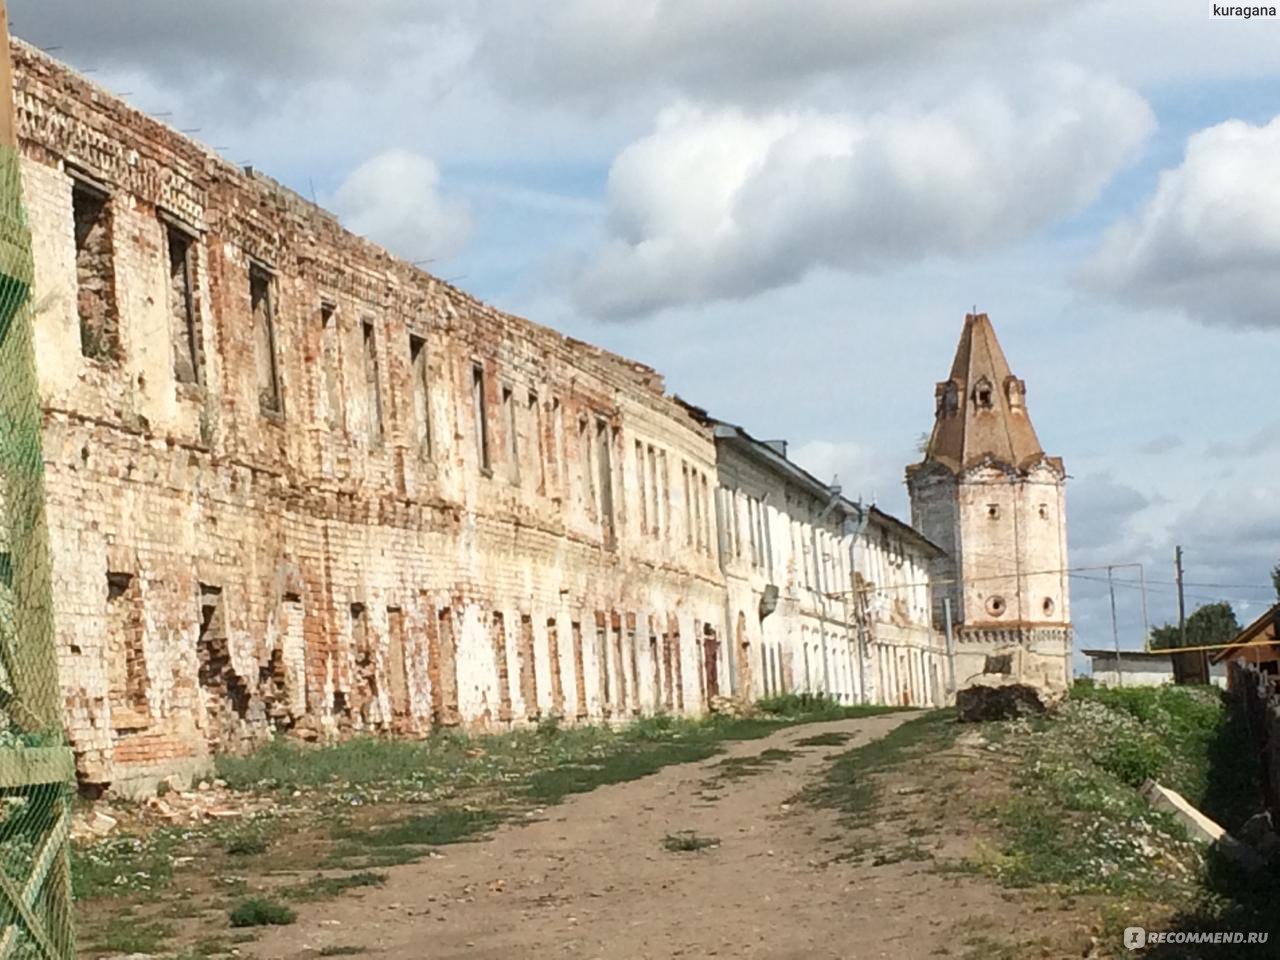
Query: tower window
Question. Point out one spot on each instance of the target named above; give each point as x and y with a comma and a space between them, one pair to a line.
982, 394
996, 606
1044, 511
1048, 606
993, 511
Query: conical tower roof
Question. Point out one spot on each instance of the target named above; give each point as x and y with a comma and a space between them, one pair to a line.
981, 409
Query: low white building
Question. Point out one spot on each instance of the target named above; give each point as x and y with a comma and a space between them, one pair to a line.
1141, 668
823, 595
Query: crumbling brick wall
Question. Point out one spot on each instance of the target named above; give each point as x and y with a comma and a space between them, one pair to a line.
253, 488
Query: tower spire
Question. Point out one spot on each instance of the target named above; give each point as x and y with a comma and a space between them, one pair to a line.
981, 410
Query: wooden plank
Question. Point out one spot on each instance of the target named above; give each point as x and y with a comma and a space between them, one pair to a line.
48, 855
35, 929
31, 766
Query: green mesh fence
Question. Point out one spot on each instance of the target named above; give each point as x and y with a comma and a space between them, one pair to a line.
36, 767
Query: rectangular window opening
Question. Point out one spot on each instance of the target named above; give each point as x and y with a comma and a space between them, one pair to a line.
95, 274
264, 333
182, 305
372, 380
480, 413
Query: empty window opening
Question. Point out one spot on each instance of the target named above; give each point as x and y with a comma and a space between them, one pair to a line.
373, 382
182, 305
264, 336
688, 506
539, 441
655, 524
603, 677
633, 652
420, 382
95, 273
224, 692
655, 667
556, 457
553, 656
579, 670
993, 511
663, 519
510, 427
982, 394
1044, 511
616, 659
528, 668
641, 488
677, 674
331, 396
604, 460
398, 668
711, 661
996, 606
706, 516
365, 693
481, 417
126, 655
498, 636
1048, 606
444, 674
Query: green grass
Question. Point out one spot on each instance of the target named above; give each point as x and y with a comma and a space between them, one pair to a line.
261, 912
342, 951
124, 865
849, 784
325, 888
245, 844
128, 934
737, 768
1077, 820
688, 841
825, 740
423, 830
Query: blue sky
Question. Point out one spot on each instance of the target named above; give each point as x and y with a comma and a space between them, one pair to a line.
789, 210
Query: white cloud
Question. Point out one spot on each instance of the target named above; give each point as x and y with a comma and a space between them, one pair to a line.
394, 199
599, 50
719, 203
863, 473
1207, 242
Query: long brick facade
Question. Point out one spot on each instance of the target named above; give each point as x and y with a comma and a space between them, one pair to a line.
297, 486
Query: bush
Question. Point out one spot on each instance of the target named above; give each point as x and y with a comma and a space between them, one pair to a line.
257, 912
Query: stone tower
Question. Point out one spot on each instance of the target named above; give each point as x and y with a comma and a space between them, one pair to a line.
990, 497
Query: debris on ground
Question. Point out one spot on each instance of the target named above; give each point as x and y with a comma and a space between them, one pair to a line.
991, 698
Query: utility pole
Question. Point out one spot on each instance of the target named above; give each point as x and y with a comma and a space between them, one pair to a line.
1182, 607
1115, 629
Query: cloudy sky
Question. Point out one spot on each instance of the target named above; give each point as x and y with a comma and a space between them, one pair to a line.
789, 207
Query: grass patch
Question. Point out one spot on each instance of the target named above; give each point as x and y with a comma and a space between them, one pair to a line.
245, 844
688, 841
342, 951
261, 912
425, 830
831, 739
738, 768
126, 934
123, 866
849, 786
325, 888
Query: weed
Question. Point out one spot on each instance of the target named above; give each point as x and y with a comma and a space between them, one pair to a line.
245, 844
687, 841
736, 768
342, 951
260, 912
831, 739
325, 888
426, 830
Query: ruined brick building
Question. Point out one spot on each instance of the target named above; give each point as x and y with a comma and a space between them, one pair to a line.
988, 494
295, 485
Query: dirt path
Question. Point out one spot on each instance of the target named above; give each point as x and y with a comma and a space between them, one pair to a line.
592, 879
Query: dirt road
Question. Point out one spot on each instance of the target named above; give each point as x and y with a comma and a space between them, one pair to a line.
591, 878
